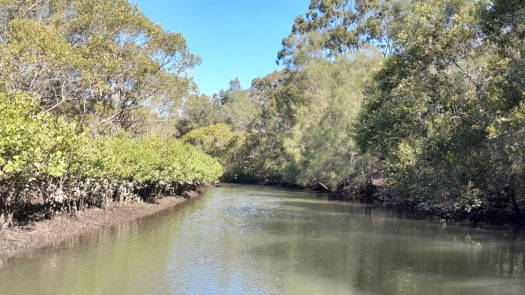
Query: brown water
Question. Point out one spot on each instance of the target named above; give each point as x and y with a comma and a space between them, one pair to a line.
240, 239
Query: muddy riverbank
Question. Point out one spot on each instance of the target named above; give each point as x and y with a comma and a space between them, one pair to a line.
18, 240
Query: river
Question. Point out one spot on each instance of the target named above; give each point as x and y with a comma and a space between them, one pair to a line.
239, 239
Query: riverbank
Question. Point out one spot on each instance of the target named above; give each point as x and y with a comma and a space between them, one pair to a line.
22, 239
377, 192
487, 214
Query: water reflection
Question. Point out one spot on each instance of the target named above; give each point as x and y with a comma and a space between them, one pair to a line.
261, 240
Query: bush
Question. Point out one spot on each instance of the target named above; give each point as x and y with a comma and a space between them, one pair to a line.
46, 166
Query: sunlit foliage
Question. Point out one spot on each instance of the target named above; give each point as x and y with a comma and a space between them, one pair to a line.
44, 162
99, 62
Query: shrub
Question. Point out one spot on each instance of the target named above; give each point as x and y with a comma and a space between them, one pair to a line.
46, 164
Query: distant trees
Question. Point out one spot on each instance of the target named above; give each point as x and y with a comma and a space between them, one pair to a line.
235, 107
333, 27
304, 131
197, 111
235, 84
218, 140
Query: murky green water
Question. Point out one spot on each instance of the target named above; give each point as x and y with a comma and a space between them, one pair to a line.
260, 240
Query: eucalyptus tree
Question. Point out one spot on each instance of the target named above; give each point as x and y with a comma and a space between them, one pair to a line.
239, 110
235, 107
97, 61
332, 27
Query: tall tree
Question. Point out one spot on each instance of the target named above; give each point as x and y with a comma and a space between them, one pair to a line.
439, 111
97, 61
235, 84
332, 27
304, 134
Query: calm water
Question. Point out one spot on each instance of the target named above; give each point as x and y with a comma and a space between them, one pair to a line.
260, 240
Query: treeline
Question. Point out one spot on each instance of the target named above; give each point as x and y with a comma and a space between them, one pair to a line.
88, 91
298, 127
434, 122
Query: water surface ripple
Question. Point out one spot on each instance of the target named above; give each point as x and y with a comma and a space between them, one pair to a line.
240, 239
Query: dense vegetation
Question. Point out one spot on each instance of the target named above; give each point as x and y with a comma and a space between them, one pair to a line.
45, 166
103, 64
442, 112
434, 123
413, 103
81, 85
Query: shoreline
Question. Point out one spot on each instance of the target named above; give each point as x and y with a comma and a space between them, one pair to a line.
25, 239
373, 197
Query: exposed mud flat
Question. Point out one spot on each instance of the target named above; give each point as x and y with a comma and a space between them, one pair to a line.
18, 240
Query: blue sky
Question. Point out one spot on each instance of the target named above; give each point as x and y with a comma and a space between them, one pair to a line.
233, 37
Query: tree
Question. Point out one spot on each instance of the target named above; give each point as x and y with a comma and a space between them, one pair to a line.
237, 108
218, 140
98, 62
304, 134
332, 27
434, 110
235, 85
197, 111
